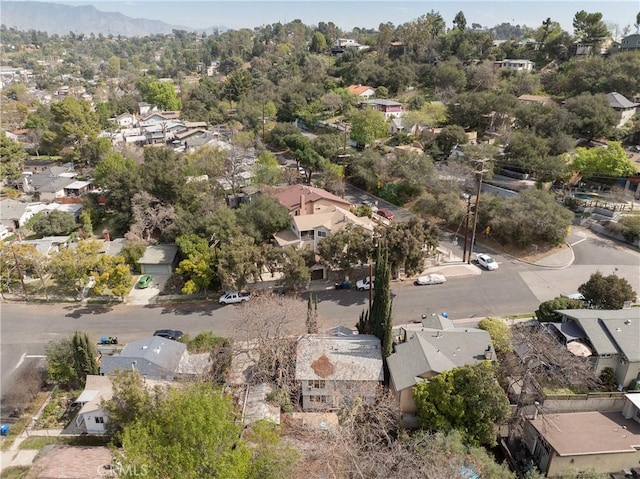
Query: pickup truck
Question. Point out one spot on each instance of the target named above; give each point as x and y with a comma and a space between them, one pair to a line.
232, 297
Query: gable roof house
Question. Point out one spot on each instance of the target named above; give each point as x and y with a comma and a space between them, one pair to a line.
362, 91
335, 370
158, 259
156, 358
302, 199
536, 100
126, 120
624, 108
423, 351
606, 442
630, 43
611, 335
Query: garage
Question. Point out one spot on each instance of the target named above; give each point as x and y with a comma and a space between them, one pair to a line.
158, 259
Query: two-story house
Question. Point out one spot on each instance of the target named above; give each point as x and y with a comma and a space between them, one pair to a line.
336, 370
611, 335
389, 108
630, 43
361, 91
424, 350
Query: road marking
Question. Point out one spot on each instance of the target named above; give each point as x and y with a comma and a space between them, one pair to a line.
21, 360
35, 356
579, 241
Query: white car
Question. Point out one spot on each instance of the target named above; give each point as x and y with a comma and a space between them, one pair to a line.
366, 283
234, 297
433, 278
487, 262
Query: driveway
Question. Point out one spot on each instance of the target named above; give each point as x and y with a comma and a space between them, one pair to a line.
150, 294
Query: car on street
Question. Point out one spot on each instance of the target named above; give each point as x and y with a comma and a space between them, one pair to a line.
173, 334
486, 261
385, 214
234, 297
433, 278
145, 281
366, 283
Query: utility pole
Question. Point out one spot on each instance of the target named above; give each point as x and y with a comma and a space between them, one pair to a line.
370, 286
481, 172
263, 122
466, 228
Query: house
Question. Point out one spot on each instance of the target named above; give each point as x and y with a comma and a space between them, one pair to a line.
91, 414
336, 370
624, 108
158, 259
611, 336
47, 245
126, 120
308, 230
307, 200
156, 358
536, 100
388, 108
630, 43
14, 214
517, 65
362, 91
606, 442
424, 350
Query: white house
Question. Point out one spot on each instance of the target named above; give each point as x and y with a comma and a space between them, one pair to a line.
517, 65
335, 370
91, 414
624, 108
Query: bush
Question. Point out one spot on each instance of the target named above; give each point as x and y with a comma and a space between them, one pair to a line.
205, 342
546, 311
608, 378
282, 399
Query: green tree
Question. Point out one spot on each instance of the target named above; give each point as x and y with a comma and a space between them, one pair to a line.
272, 457
295, 272
72, 267
380, 316
54, 223
267, 170
499, 332
590, 29
72, 128
198, 264
132, 251
467, 399
238, 260
450, 136
113, 274
312, 315
318, 43
69, 360
263, 217
346, 248
12, 157
607, 292
84, 356
161, 94
546, 312
609, 161
407, 243
368, 125
591, 115
460, 22
196, 417
130, 401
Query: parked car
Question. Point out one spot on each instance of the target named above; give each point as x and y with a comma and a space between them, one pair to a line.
433, 278
486, 261
370, 204
145, 281
173, 334
385, 214
366, 283
233, 297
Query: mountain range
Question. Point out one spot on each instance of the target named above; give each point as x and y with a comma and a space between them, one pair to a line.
55, 18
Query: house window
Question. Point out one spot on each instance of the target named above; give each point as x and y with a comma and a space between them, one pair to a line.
316, 384
322, 234
605, 355
306, 235
99, 420
318, 399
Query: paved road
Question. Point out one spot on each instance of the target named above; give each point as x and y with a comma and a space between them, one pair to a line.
515, 287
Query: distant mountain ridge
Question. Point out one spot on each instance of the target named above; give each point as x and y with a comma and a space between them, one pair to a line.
55, 18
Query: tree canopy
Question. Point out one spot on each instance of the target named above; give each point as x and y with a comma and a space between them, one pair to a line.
607, 292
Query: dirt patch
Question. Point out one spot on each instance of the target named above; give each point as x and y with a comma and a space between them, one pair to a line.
323, 367
531, 254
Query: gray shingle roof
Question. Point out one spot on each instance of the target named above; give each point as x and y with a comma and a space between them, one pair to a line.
159, 254
618, 101
159, 351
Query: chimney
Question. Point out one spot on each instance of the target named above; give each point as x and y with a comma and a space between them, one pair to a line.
302, 205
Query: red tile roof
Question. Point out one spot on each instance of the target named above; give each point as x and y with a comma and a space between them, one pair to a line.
290, 196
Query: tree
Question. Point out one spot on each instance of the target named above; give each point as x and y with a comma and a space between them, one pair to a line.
151, 217
112, 274
607, 292
53, 223
159, 93
238, 261
590, 29
132, 251
499, 332
69, 360
263, 217
200, 430
407, 243
367, 125
450, 136
272, 458
381, 310
72, 267
346, 248
197, 267
12, 157
318, 43
460, 22
267, 170
591, 115
130, 401
547, 310
609, 161
467, 399
312, 315
295, 272
84, 356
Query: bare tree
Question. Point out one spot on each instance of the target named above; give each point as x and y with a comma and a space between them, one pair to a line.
151, 217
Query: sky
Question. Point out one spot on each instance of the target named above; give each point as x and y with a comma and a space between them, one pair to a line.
347, 14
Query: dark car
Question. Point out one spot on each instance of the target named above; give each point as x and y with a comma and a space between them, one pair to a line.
169, 334
385, 214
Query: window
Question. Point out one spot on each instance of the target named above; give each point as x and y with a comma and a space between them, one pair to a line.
322, 234
316, 384
605, 355
318, 399
99, 420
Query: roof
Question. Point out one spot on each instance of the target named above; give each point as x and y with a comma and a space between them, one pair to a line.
290, 196
354, 358
159, 254
583, 433
332, 219
544, 100
434, 351
12, 209
162, 352
53, 185
569, 329
359, 89
618, 101
96, 389
609, 331
381, 101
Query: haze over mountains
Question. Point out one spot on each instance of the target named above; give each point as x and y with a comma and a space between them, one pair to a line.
55, 18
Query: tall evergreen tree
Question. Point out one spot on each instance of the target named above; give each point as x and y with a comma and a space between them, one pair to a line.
312, 315
380, 315
84, 356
